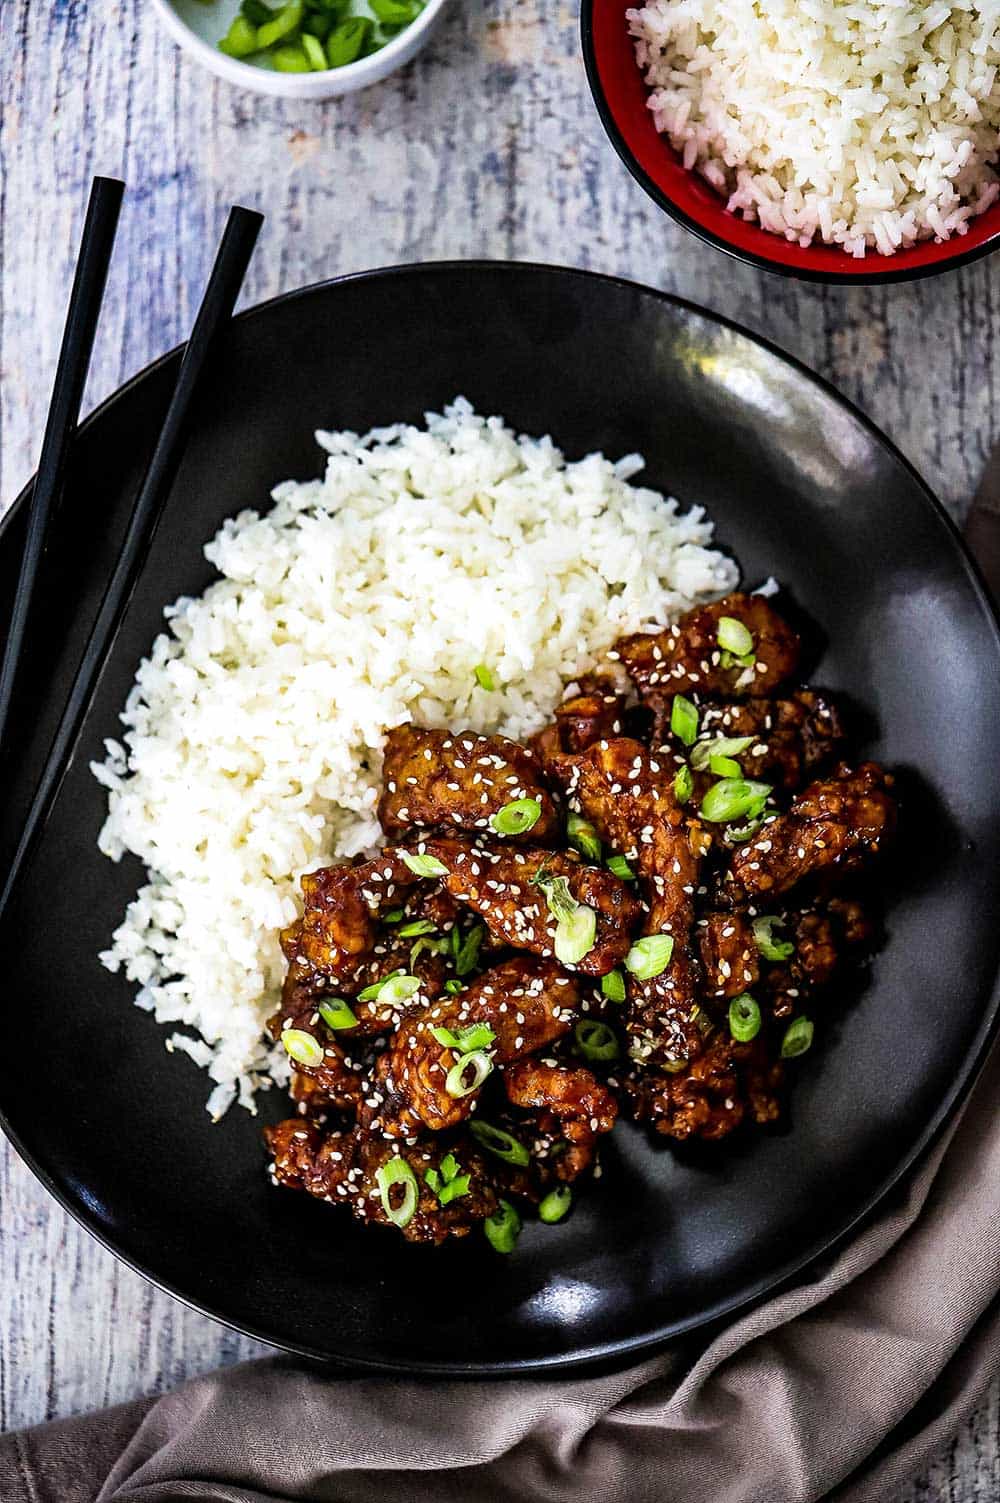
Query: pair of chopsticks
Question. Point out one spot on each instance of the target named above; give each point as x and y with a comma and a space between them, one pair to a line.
216, 309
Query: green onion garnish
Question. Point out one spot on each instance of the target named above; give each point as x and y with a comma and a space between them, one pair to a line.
554, 1206
467, 954
718, 746
336, 1013
459, 1083
433, 1180
744, 1018
613, 986
424, 866
453, 988
769, 947
371, 992
798, 1037
474, 1036
734, 798
620, 868
398, 988
683, 784
398, 1172
302, 1047
684, 719
418, 926
745, 659
393, 916
516, 818
584, 836
503, 1228
575, 935
596, 1040
240, 40
736, 834
650, 956
484, 677
503, 1145
285, 21
448, 1167
733, 636
346, 41
313, 49
724, 767
425, 943
561, 902
453, 1189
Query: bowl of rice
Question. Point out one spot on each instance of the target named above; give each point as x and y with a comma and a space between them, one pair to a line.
831, 142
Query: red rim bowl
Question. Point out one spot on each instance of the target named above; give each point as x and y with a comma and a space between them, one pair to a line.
620, 94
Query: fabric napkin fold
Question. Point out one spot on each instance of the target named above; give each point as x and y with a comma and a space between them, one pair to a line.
841, 1388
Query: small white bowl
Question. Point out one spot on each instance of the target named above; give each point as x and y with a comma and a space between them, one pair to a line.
197, 28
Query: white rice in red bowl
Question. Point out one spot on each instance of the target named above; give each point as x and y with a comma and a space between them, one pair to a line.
869, 124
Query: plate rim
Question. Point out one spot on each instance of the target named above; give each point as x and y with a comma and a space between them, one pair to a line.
629, 1347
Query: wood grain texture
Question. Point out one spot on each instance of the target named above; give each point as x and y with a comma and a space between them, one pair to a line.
487, 146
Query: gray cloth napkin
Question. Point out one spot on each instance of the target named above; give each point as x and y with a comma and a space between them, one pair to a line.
841, 1388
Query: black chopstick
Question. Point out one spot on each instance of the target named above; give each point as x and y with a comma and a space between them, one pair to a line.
92, 265
223, 288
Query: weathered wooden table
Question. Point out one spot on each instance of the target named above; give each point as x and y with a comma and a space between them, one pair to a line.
488, 146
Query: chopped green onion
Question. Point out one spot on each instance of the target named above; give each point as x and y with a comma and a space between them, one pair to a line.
502, 1144
613, 986
371, 992
724, 767
734, 636
596, 1040
454, 1189
240, 40
256, 12
393, 916
457, 1083
421, 865
418, 926
684, 719
745, 659
619, 867
453, 988
734, 798
683, 784
650, 956
516, 818
398, 1172
736, 834
484, 677
400, 13
455, 940
399, 988
553, 1207
744, 1018
718, 746
583, 835
313, 49
474, 1036
287, 20
575, 935
448, 1167
433, 1180
345, 42
503, 1228
425, 943
798, 1037
467, 955
302, 1047
561, 902
769, 947
336, 1013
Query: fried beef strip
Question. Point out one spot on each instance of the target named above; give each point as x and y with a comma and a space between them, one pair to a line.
575, 1098
341, 1167
834, 825
727, 1083
441, 779
626, 792
730, 960
823, 938
527, 1003
501, 885
686, 658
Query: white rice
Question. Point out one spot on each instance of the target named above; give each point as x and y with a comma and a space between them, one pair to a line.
357, 602
870, 124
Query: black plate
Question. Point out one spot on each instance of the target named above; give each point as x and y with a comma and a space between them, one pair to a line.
801, 486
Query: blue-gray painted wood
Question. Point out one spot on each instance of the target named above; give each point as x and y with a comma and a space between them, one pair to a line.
488, 145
